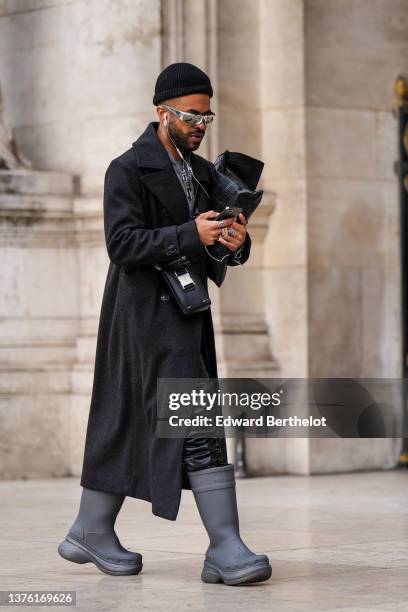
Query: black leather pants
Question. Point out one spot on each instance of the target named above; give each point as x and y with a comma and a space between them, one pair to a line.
200, 453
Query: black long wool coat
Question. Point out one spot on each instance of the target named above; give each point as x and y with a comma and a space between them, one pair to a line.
142, 335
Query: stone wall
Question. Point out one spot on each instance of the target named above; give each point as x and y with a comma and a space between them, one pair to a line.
77, 79
306, 86
39, 320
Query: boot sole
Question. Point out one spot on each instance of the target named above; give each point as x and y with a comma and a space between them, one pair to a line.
74, 551
256, 573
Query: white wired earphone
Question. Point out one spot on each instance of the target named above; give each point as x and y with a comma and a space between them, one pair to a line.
196, 179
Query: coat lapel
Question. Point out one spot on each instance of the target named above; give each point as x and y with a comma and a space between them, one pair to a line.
203, 173
163, 182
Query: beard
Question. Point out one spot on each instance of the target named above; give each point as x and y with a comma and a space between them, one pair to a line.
182, 140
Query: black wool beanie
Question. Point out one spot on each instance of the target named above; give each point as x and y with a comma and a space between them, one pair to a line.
181, 79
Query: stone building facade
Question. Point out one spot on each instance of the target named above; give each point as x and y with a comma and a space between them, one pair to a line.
304, 85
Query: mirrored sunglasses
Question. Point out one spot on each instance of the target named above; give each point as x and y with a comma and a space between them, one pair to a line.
190, 118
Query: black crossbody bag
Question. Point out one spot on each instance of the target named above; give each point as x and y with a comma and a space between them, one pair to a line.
183, 282
185, 285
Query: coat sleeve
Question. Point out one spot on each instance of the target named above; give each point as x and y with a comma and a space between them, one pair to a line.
241, 255
128, 241
217, 270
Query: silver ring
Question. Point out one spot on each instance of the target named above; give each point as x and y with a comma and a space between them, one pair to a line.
232, 231
220, 224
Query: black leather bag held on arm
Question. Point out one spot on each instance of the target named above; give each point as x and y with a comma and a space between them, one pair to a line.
236, 177
185, 285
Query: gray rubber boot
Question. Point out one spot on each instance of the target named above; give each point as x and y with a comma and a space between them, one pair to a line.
227, 558
92, 537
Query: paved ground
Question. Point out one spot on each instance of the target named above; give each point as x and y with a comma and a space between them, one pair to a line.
335, 543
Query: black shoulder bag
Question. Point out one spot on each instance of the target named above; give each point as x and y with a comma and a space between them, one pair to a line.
185, 285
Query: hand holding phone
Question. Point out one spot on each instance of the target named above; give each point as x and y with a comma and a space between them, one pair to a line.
228, 212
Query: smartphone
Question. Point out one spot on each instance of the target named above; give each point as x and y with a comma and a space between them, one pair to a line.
228, 212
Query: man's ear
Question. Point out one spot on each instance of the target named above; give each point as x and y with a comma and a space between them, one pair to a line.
162, 116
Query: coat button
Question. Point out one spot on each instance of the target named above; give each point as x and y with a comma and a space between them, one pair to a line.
164, 297
172, 248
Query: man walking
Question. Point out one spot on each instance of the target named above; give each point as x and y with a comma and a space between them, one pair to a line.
157, 207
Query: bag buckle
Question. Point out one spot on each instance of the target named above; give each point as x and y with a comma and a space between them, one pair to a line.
185, 279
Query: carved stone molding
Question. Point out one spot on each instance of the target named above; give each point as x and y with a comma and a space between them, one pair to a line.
260, 219
36, 209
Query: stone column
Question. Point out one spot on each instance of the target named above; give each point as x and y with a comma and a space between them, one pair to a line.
332, 253
354, 51
241, 323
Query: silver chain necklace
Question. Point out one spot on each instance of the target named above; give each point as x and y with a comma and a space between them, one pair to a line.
187, 180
